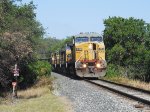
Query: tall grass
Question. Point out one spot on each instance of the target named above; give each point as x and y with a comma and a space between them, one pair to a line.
121, 75
130, 82
42, 86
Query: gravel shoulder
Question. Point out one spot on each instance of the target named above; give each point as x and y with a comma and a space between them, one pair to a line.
84, 97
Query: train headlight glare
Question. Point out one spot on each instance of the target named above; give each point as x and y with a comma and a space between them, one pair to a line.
84, 65
98, 65
90, 46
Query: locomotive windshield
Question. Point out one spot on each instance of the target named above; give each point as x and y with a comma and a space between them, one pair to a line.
82, 39
98, 39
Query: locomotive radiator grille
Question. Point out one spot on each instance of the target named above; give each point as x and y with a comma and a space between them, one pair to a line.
91, 64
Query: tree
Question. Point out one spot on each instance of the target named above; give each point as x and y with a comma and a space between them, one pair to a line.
20, 35
127, 42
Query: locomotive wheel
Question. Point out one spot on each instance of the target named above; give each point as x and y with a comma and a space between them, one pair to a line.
71, 70
64, 71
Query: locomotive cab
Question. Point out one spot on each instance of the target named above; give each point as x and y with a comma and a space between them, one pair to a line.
90, 55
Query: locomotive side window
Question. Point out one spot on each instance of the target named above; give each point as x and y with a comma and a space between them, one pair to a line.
81, 39
96, 39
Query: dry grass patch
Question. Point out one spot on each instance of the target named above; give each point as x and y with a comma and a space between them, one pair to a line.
33, 92
41, 87
44, 81
130, 82
37, 99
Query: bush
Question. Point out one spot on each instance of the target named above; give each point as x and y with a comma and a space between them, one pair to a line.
116, 55
127, 43
112, 71
40, 68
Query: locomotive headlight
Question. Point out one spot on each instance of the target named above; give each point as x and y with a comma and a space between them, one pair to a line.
84, 65
98, 65
90, 46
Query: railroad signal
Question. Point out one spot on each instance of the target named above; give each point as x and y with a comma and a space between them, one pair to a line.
16, 72
14, 83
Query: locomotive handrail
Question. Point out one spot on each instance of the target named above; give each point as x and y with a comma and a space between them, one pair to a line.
82, 53
80, 56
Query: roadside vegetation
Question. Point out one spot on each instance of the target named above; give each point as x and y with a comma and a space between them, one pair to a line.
38, 98
127, 81
22, 42
127, 43
20, 36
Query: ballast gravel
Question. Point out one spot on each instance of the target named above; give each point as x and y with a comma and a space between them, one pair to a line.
88, 98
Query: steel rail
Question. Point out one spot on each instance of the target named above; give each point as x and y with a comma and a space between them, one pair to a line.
127, 86
144, 101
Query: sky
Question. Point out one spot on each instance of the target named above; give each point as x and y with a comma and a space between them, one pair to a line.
63, 18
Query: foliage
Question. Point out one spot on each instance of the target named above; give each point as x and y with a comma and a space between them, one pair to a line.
62, 44
127, 44
20, 35
50, 44
116, 54
22, 42
41, 68
112, 71
47, 45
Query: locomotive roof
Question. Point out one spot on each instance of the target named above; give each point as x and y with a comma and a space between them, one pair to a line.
88, 34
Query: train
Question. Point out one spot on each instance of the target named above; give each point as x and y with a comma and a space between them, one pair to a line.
83, 57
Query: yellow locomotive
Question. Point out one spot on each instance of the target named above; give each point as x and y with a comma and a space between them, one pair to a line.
85, 57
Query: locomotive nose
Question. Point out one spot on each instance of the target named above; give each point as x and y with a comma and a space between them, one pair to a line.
91, 70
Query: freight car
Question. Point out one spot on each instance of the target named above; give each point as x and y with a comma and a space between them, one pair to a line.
84, 57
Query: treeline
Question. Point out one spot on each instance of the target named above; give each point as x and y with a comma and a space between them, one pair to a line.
52, 44
20, 38
127, 43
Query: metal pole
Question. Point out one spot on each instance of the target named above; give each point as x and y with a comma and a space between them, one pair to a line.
16, 82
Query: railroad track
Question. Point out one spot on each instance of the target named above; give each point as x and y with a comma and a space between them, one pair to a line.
134, 93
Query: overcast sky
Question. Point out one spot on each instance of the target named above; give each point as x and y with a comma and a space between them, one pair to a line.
62, 18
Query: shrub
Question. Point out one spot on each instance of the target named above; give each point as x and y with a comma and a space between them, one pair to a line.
40, 68
112, 71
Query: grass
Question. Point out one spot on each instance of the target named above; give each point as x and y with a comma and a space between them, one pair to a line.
33, 92
130, 82
45, 103
37, 99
